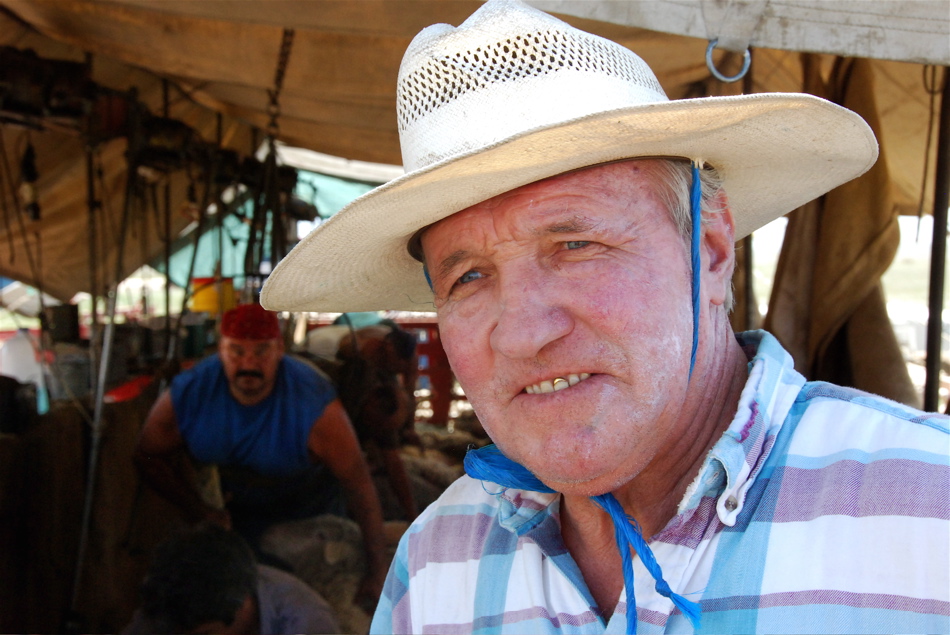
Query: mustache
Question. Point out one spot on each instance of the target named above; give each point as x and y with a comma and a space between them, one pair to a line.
249, 373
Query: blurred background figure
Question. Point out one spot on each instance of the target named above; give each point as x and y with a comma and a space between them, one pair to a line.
375, 368
280, 438
207, 581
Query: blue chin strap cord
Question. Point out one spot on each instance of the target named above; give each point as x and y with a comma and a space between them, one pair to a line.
696, 214
489, 464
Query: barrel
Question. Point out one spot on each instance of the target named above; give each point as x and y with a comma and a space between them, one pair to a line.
212, 295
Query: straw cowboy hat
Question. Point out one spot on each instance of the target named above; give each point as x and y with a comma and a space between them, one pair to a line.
513, 96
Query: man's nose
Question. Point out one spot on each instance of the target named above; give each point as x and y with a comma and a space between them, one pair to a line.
249, 359
531, 315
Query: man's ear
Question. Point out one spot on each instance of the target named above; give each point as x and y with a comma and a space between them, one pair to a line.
718, 250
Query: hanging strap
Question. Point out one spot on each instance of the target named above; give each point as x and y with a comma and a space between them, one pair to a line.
696, 216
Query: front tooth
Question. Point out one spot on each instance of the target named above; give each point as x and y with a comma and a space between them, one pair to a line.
584, 376
546, 386
573, 379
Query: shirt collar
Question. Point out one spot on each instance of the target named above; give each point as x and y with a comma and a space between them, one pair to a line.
731, 466
520, 511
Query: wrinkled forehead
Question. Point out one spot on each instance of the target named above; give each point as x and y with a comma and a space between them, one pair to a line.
604, 177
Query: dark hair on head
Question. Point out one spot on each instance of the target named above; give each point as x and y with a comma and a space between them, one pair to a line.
403, 342
200, 576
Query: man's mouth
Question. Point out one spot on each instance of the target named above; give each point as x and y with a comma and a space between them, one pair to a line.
249, 373
556, 383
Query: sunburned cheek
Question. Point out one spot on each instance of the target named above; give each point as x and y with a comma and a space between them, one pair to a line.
469, 368
671, 343
661, 383
463, 366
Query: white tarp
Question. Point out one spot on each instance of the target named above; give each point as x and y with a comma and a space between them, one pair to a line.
898, 30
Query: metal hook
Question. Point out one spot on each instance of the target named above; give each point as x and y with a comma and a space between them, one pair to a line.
746, 62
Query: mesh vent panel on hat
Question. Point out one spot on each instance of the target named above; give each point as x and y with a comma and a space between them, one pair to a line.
445, 78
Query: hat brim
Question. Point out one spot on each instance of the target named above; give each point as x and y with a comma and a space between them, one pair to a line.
775, 152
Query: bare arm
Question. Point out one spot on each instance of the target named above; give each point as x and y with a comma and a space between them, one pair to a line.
333, 441
158, 446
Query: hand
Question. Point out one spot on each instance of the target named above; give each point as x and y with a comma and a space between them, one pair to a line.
367, 596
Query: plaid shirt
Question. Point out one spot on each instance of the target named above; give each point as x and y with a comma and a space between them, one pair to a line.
821, 510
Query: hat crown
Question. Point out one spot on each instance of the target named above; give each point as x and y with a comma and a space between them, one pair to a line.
508, 69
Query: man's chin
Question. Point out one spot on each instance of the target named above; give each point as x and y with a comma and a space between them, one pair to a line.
586, 489
248, 386
580, 482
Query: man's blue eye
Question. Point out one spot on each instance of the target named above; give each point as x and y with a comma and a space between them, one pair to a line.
576, 244
468, 276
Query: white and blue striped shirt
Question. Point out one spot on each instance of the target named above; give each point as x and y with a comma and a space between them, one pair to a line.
821, 510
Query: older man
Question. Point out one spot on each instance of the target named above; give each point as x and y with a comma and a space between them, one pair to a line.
272, 424
653, 472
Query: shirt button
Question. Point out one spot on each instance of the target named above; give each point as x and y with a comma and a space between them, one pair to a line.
731, 503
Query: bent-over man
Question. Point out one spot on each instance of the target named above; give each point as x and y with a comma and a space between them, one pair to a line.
206, 580
272, 424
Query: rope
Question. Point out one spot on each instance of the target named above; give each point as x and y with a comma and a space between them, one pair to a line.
696, 212
273, 108
267, 205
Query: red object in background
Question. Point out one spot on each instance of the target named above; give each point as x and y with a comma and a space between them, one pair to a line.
441, 379
5, 335
134, 387
434, 368
129, 390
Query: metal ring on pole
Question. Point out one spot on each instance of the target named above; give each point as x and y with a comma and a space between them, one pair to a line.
746, 62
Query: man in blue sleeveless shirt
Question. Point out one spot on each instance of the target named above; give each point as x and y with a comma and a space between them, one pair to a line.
273, 425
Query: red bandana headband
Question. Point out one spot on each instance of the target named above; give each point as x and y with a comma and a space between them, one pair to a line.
250, 322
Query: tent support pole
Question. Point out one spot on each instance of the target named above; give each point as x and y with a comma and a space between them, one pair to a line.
751, 307
168, 239
938, 253
93, 263
104, 361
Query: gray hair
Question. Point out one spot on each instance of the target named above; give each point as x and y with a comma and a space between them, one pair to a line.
674, 180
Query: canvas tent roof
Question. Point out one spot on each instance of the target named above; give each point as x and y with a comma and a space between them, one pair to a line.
338, 92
